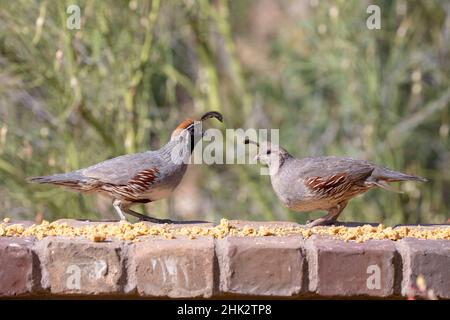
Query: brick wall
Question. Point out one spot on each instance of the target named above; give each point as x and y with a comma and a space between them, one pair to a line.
208, 267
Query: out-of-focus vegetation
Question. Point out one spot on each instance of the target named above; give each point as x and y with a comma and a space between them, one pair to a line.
71, 98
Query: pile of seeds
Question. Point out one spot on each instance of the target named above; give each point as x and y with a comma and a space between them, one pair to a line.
137, 231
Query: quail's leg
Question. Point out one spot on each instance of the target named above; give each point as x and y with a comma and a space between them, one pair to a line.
117, 206
330, 218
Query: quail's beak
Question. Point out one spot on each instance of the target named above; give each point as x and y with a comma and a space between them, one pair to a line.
248, 141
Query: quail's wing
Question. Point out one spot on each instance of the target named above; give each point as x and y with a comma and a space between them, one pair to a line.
123, 169
329, 173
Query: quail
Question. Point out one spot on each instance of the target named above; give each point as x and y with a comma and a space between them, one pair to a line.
324, 183
140, 177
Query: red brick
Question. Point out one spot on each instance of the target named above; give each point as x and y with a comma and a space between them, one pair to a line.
271, 266
339, 268
19, 267
178, 268
430, 258
80, 266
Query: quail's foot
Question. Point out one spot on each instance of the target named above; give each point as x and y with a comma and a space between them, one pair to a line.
156, 220
319, 222
143, 217
330, 218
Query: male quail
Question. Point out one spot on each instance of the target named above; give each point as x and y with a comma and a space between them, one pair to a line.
323, 183
137, 178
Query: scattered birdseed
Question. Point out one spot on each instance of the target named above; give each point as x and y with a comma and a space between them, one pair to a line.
137, 231
98, 237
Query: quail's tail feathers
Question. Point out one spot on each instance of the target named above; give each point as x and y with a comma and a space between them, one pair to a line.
382, 176
74, 180
389, 175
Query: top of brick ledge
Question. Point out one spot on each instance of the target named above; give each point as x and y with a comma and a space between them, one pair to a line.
287, 266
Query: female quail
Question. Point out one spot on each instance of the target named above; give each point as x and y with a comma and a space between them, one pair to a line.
137, 178
323, 183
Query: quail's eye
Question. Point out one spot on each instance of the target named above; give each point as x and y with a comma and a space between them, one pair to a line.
268, 151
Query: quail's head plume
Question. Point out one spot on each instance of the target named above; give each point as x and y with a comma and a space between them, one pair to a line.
323, 183
140, 177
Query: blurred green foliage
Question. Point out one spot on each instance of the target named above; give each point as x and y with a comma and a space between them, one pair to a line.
71, 98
